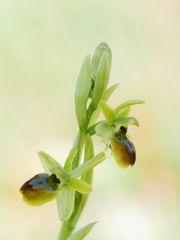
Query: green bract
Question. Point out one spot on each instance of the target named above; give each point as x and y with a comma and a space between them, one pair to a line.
82, 232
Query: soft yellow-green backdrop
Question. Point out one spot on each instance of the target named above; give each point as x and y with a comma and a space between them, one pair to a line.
42, 45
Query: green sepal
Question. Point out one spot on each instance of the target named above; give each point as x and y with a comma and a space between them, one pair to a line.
69, 160
104, 130
87, 166
79, 185
48, 162
128, 104
107, 93
65, 202
108, 112
125, 121
82, 232
82, 90
124, 112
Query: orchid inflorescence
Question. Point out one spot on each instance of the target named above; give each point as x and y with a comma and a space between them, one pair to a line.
71, 184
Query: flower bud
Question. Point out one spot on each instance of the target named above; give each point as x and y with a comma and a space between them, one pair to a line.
40, 189
101, 48
82, 90
123, 149
101, 80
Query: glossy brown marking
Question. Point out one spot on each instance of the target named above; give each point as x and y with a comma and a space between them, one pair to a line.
40, 189
123, 149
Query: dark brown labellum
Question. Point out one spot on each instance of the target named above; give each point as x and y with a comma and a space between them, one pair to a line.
123, 149
40, 189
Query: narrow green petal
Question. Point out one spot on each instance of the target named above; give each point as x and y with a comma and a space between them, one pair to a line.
107, 93
124, 112
108, 112
70, 158
127, 104
85, 167
79, 186
126, 121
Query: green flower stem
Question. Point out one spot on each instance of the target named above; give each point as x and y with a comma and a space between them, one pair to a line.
79, 143
69, 225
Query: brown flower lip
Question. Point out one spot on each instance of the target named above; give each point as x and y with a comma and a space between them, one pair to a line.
130, 148
40, 189
123, 149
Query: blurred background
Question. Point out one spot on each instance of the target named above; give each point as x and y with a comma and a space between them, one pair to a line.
42, 46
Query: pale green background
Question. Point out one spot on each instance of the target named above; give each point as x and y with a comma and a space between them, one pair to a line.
42, 45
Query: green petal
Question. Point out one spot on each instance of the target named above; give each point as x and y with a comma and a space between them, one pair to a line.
108, 112
87, 166
128, 104
107, 93
79, 186
70, 158
124, 112
125, 121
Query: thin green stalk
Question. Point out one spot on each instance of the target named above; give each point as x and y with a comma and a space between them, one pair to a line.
79, 143
69, 225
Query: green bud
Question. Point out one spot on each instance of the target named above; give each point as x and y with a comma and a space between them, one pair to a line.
82, 90
101, 48
101, 79
123, 150
40, 189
